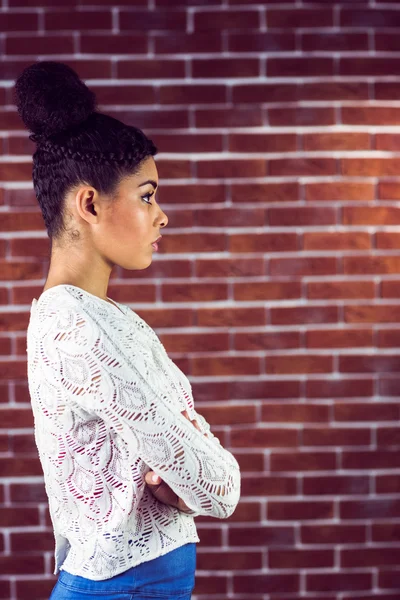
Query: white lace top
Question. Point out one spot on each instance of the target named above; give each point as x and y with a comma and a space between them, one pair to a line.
107, 404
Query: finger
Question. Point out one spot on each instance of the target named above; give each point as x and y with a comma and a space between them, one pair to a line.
152, 478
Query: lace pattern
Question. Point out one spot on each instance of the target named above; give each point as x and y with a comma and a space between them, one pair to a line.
107, 404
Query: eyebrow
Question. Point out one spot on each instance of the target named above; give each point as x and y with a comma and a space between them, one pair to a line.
151, 181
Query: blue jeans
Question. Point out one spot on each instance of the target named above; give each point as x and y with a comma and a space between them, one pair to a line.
171, 576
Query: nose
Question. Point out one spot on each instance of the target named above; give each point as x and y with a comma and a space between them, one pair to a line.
164, 219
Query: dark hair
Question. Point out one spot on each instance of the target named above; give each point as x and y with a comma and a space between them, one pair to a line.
75, 143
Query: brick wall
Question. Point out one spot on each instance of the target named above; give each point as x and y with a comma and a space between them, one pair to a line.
277, 285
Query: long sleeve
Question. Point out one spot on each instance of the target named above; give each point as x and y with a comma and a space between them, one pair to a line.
101, 377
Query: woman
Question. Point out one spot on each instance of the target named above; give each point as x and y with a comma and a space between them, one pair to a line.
111, 409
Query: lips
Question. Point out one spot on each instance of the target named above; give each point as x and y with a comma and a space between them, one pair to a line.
155, 244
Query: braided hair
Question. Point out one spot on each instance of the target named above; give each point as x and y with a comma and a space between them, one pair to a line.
75, 143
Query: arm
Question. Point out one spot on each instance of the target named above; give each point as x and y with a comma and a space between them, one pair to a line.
99, 378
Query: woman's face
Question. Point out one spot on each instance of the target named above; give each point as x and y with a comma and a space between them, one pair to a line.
133, 220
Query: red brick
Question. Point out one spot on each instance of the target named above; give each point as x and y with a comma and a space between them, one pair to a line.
230, 317
303, 461
370, 17
388, 190
20, 467
370, 167
366, 412
386, 41
11, 565
226, 67
333, 534
226, 365
303, 216
334, 90
388, 436
43, 44
231, 168
228, 117
242, 390
389, 142
5, 590
268, 486
268, 41
388, 338
245, 142
286, 583
390, 288
314, 142
167, 318
372, 314
301, 116
361, 265
18, 517
150, 119
302, 167
388, 484
336, 240
222, 19
389, 386
299, 364
229, 217
262, 535
369, 363
229, 560
295, 413
370, 115
229, 267
386, 240
264, 438
201, 342
298, 18
193, 43
218, 584
265, 192
193, 242
304, 314
16, 21
250, 462
16, 417
76, 20
149, 20
229, 415
348, 338
303, 266
267, 290
300, 559
340, 581
124, 94
340, 190
192, 94
368, 508
343, 436
42, 587
339, 388
260, 340
264, 92
32, 541
192, 194
301, 510
151, 69
194, 292
263, 242
385, 532
369, 66
17, 172
300, 67
380, 459
334, 42
386, 90
389, 579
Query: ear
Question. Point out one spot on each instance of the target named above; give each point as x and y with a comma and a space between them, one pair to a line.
87, 203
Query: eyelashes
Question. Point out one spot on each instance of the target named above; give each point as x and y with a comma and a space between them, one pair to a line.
147, 197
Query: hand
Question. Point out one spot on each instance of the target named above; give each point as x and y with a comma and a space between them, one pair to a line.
162, 490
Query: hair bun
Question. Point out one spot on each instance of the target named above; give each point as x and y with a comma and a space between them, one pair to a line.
51, 98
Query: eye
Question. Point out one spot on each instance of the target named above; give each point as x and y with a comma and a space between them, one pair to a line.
146, 197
